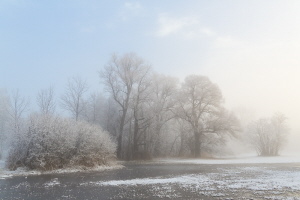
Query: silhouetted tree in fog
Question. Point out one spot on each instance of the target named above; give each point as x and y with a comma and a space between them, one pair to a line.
18, 106
45, 101
162, 103
17, 123
141, 93
73, 98
95, 109
268, 136
119, 76
200, 104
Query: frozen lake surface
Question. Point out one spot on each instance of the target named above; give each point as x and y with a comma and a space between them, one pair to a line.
168, 179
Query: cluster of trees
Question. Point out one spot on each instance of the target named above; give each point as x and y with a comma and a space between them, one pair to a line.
146, 114
158, 116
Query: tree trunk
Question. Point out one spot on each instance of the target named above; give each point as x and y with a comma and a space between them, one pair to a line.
120, 136
135, 137
197, 151
119, 148
180, 154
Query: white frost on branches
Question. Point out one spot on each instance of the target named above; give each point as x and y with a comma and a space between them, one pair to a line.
52, 143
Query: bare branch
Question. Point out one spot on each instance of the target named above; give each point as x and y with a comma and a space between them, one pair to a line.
45, 101
73, 99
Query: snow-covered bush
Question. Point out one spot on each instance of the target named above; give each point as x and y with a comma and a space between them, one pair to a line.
52, 142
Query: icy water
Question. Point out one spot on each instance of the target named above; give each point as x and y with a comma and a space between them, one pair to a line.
156, 180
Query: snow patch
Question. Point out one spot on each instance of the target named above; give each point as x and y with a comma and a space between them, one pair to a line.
52, 183
22, 185
256, 179
25, 172
150, 181
5, 176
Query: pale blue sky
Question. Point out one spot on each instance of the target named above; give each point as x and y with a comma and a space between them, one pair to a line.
249, 48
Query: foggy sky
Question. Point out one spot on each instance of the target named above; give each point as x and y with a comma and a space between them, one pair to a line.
249, 48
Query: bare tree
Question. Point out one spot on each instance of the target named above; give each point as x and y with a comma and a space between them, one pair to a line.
200, 104
95, 109
164, 90
119, 76
45, 101
268, 136
219, 126
141, 95
186, 137
18, 106
281, 130
73, 98
111, 118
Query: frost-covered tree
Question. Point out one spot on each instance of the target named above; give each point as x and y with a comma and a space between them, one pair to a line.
200, 104
281, 130
140, 97
268, 136
73, 98
18, 107
52, 142
111, 117
45, 101
161, 108
120, 76
95, 108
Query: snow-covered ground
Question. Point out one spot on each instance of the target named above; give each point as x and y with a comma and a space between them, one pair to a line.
4, 173
231, 178
256, 178
262, 182
237, 160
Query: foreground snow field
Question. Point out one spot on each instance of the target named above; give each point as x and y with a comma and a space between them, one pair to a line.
227, 179
227, 183
248, 178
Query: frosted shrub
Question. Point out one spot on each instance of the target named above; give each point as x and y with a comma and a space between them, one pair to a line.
53, 143
93, 146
